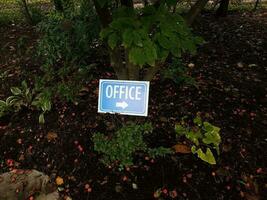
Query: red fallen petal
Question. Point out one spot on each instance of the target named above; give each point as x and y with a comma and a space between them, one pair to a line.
259, 170
80, 148
165, 191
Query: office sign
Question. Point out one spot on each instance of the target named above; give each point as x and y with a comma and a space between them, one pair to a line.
123, 97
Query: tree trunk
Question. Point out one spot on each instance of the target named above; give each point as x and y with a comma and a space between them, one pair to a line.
26, 11
58, 5
151, 71
117, 64
103, 14
194, 11
256, 4
223, 8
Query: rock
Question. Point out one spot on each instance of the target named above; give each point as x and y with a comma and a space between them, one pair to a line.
26, 183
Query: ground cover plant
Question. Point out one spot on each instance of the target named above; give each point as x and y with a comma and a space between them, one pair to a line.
204, 137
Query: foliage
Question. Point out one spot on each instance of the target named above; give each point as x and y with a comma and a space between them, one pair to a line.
25, 97
125, 142
203, 135
66, 47
150, 34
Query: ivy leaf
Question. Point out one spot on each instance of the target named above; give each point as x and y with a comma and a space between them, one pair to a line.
207, 157
212, 135
113, 40
180, 130
198, 121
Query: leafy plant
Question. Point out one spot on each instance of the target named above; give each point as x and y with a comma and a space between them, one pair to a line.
66, 46
22, 96
5, 106
120, 148
204, 136
25, 97
43, 102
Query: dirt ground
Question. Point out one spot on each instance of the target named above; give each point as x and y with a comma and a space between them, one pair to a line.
231, 74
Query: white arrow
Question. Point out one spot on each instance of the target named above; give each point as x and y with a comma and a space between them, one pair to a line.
123, 104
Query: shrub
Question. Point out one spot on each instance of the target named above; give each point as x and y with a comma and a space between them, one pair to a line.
66, 48
120, 148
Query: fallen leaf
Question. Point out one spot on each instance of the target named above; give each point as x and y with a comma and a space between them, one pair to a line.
59, 180
251, 197
51, 136
181, 148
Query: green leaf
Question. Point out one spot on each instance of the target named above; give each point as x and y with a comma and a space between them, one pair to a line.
150, 52
11, 100
137, 56
24, 85
207, 157
180, 130
194, 136
127, 37
113, 40
198, 121
16, 90
46, 106
164, 41
212, 135
137, 39
41, 118
2, 103
105, 33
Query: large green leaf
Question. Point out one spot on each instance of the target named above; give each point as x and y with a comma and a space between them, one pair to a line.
137, 56
164, 41
127, 37
113, 40
137, 39
150, 52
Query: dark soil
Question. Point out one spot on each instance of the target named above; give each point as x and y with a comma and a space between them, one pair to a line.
231, 74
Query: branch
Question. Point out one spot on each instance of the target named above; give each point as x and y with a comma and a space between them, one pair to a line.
151, 72
103, 14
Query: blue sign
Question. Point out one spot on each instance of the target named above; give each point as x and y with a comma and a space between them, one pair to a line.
123, 97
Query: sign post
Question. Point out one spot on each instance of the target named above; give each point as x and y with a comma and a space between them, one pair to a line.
123, 97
